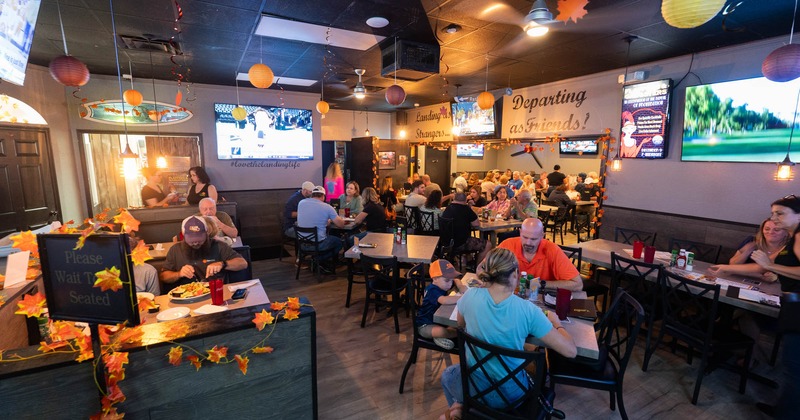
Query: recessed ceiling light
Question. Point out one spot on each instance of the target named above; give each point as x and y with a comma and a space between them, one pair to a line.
451, 28
377, 22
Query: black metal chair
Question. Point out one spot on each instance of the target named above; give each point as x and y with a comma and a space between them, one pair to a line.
702, 251
448, 249
523, 396
307, 245
591, 287
285, 240
557, 223
583, 227
617, 335
417, 282
412, 218
382, 278
426, 225
690, 315
629, 236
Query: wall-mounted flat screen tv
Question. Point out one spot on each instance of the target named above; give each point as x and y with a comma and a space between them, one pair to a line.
469, 150
645, 120
470, 122
268, 132
577, 147
18, 20
747, 120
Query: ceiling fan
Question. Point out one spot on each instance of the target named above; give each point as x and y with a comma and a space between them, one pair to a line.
530, 150
346, 93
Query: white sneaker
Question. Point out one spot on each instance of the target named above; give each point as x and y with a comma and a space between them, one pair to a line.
444, 343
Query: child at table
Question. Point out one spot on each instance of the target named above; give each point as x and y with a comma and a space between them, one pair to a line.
443, 273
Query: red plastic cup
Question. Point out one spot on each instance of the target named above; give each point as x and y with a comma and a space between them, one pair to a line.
649, 254
216, 291
563, 300
638, 246
346, 212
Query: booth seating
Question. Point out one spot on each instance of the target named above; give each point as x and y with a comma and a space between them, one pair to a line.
160, 224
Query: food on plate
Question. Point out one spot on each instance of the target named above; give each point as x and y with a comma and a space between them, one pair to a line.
191, 290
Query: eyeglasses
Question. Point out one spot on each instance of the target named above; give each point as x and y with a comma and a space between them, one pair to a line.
790, 197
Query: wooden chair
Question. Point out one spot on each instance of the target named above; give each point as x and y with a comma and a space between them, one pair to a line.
417, 282
702, 251
519, 395
382, 278
617, 335
591, 287
690, 315
629, 236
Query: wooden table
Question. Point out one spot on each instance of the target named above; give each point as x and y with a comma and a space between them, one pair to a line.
581, 331
418, 248
598, 252
493, 225
256, 295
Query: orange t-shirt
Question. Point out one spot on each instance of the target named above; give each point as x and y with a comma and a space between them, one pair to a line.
550, 263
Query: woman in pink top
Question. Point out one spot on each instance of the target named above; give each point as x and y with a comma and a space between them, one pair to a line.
501, 203
334, 182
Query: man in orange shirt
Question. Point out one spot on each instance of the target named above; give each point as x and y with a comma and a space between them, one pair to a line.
541, 258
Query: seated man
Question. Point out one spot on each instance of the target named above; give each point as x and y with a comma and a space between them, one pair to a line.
226, 231
198, 257
145, 276
541, 258
464, 219
315, 212
417, 197
290, 209
521, 208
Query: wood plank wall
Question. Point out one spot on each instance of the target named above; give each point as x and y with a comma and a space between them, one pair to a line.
259, 214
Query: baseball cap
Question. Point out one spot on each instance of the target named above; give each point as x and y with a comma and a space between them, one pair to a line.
318, 190
308, 185
443, 268
194, 229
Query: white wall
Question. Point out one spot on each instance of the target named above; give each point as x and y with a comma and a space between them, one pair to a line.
342, 125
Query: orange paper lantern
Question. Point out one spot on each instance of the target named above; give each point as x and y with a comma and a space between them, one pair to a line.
261, 75
132, 97
783, 64
687, 14
239, 113
178, 98
485, 100
323, 107
395, 95
69, 71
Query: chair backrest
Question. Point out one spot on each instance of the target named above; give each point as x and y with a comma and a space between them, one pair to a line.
384, 270
549, 203
573, 253
544, 216
306, 236
426, 225
681, 296
629, 236
412, 217
418, 281
619, 328
445, 235
632, 276
511, 394
561, 216
702, 251
582, 224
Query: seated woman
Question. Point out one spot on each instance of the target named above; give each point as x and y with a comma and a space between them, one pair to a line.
388, 195
372, 214
501, 202
493, 313
571, 193
560, 197
769, 239
433, 205
528, 184
487, 186
201, 186
351, 199
152, 193
475, 198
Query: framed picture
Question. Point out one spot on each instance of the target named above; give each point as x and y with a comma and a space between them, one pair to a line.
386, 160
402, 160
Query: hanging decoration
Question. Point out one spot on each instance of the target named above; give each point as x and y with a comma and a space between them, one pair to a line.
395, 94
486, 99
66, 69
783, 64
784, 171
261, 76
571, 10
238, 113
132, 96
687, 14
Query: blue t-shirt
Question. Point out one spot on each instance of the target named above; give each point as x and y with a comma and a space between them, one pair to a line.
505, 324
516, 183
430, 303
314, 213
291, 206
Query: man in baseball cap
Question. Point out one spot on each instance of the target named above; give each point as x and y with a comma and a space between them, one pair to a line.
315, 212
290, 209
442, 272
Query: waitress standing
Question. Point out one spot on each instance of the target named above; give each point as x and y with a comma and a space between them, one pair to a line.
201, 186
152, 193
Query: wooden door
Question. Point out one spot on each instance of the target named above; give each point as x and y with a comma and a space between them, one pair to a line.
363, 165
28, 190
437, 165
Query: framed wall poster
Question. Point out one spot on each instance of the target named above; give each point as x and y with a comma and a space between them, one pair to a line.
387, 160
402, 160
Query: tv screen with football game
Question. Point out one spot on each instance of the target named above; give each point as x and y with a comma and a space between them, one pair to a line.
469, 150
645, 120
577, 147
470, 122
267, 132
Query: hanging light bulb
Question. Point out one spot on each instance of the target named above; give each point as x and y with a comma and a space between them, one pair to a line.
360, 91
366, 132
616, 163
784, 171
130, 169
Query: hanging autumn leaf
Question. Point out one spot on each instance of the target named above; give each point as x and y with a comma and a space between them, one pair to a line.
277, 306
242, 362
194, 360
108, 414
146, 303
571, 10
31, 305
64, 330
262, 319
85, 348
140, 254
291, 314
116, 361
293, 303
128, 222
175, 354
114, 396
177, 331
26, 241
215, 354
45, 347
108, 279
266, 349
129, 335
84, 234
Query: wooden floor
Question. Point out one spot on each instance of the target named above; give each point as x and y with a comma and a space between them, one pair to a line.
359, 369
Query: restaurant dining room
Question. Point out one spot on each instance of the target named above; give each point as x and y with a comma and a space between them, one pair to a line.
365, 209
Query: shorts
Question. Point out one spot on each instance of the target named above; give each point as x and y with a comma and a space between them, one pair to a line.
473, 244
425, 330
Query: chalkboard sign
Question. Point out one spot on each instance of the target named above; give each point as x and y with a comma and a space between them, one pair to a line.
69, 277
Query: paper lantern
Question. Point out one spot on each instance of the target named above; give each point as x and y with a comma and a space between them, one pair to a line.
239, 113
69, 71
261, 75
178, 98
687, 14
395, 95
485, 100
323, 107
132, 97
783, 64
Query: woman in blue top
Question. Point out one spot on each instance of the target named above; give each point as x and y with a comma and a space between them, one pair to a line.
494, 314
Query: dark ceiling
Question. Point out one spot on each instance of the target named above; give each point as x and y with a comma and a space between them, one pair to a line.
217, 40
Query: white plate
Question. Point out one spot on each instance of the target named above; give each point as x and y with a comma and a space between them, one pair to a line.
173, 314
145, 295
191, 298
210, 309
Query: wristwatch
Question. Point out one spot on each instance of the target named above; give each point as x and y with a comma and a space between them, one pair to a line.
224, 264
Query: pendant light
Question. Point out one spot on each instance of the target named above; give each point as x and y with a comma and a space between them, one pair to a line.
687, 14
238, 113
322, 106
129, 159
261, 76
366, 132
359, 91
66, 69
395, 94
784, 171
783, 64
616, 162
132, 96
486, 99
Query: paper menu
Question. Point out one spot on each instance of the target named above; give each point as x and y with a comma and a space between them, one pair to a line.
454, 315
16, 269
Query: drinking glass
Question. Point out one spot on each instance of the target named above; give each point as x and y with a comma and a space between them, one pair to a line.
638, 246
649, 254
346, 212
563, 300
216, 291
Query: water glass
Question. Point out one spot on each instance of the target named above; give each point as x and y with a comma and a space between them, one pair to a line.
638, 246
563, 300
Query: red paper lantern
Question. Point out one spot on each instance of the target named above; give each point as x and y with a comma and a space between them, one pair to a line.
69, 71
783, 64
132, 97
395, 95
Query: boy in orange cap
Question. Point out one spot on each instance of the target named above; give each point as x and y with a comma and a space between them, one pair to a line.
443, 273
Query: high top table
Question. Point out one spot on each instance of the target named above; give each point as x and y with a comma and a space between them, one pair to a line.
418, 248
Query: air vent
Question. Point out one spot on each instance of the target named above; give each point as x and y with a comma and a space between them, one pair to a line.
137, 43
414, 60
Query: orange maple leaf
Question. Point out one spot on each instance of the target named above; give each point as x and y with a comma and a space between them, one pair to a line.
293, 303
146, 303
114, 395
242, 361
102, 217
175, 354
266, 349
84, 234
85, 347
45, 347
64, 330
195, 361
262, 319
571, 10
108, 279
66, 227
26, 241
31, 305
215, 354
128, 222
291, 314
177, 331
107, 414
277, 306
129, 335
140, 254
116, 361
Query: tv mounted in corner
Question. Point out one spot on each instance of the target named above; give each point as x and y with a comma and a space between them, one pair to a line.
470, 122
267, 132
577, 147
469, 150
19, 21
645, 120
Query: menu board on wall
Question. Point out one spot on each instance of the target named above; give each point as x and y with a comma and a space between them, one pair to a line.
645, 120
176, 176
70, 274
